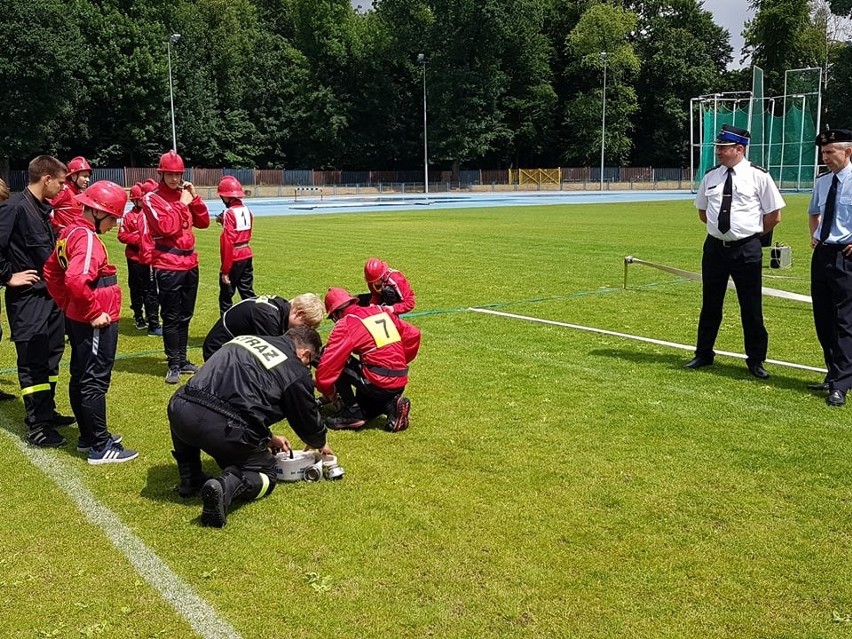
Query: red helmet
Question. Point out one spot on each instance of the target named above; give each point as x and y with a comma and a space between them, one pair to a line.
136, 191
338, 298
229, 186
78, 164
149, 185
104, 196
374, 270
170, 162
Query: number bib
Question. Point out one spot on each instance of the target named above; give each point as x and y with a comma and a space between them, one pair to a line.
242, 218
381, 328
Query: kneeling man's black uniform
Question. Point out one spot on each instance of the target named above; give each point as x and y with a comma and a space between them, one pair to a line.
227, 408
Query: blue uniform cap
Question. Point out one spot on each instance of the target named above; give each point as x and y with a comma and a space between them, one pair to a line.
730, 135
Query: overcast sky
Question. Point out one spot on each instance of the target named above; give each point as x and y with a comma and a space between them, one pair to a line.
730, 14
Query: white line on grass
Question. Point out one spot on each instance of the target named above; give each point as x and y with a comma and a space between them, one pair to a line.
638, 338
197, 612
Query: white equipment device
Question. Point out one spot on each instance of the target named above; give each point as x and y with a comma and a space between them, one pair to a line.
306, 465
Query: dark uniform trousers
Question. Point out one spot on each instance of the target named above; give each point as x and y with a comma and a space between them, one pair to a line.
177, 291
743, 263
38, 354
373, 400
196, 427
143, 292
92, 358
831, 291
242, 280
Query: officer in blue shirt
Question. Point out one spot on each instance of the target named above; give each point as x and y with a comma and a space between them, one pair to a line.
830, 221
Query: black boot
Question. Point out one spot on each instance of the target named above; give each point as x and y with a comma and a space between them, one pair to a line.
217, 495
192, 478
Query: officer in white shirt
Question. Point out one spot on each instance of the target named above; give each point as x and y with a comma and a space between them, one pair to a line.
830, 221
739, 202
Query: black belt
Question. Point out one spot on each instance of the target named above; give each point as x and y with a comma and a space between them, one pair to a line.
733, 243
173, 250
833, 247
216, 404
387, 372
103, 282
133, 247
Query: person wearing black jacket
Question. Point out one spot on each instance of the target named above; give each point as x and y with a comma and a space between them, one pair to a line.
227, 409
37, 325
263, 315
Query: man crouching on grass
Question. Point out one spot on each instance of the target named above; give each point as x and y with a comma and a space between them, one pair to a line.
227, 408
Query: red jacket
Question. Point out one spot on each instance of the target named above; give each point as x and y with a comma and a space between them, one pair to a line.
237, 222
169, 243
379, 338
129, 233
79, 276
395, 280
65, 207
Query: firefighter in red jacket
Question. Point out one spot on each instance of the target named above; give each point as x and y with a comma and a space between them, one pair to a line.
171, 212
140, 279
83, 283
237, 221
388, 288
65, 206
384, 344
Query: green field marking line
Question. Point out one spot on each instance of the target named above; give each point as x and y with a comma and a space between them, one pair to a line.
199, 614
639, 338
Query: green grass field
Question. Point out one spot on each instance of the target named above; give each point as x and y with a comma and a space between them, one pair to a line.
553, 483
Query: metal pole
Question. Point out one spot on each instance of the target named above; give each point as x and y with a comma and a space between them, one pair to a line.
603, 118
801, 144
421, 58
172, 39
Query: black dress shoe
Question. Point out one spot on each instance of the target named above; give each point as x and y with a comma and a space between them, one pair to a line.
818, 387
698, 362
758, 371
836, 398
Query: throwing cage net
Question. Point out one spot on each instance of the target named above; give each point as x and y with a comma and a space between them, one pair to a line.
782, 128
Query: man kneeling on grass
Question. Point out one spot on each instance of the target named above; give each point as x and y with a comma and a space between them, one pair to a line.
227, 408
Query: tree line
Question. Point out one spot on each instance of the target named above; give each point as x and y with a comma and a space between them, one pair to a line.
320, 84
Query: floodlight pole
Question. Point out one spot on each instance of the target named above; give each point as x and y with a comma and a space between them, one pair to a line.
603, 117
172, 40
421, 59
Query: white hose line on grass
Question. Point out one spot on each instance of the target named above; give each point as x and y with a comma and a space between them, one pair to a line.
638, 338
179, 594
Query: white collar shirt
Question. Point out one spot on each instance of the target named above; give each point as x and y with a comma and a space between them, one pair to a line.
841, 229
753, 195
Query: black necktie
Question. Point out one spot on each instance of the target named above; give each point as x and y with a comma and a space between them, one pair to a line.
725, 209
828, 215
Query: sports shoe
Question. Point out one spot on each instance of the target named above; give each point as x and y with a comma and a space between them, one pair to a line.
141, 324
173, 376
111, 453
58, 420
188, 368
398, 420
85, 447
213, 511
155, 331
44, 436
348, 419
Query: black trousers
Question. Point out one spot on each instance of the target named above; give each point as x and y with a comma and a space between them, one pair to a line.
143, 293
831, 290
177, 291
38, 368
195, 428
354, 388
744, 265
92, 358
242, 280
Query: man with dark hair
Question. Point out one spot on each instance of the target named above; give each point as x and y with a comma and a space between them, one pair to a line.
739, 202
27, 239
227, 409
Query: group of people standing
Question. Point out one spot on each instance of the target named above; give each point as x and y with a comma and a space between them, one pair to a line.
257, 356
740, 203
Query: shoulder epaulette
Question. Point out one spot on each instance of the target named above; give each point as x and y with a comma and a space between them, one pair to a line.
826, 172
711, 168
760, 168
